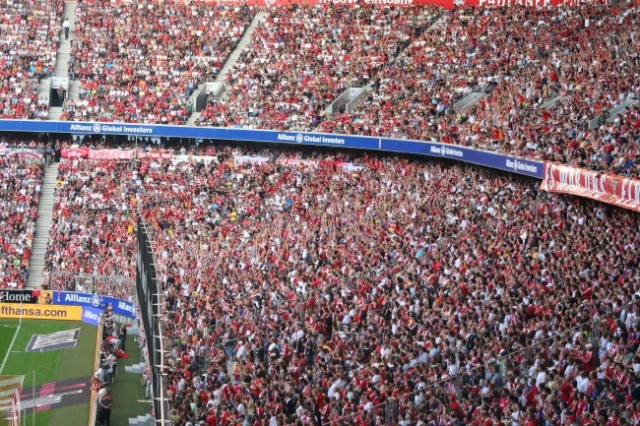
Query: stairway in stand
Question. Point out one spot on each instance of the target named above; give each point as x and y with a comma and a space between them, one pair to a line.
43, 225
64, 54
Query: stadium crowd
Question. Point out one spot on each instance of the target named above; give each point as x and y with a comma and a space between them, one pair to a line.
140, 62
20, 180
301, 58
390, 291
324, 287
583, 60
91, 233
28, 46
550, 76
327, 288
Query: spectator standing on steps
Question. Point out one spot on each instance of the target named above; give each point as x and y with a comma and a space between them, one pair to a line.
66, 25
48, 155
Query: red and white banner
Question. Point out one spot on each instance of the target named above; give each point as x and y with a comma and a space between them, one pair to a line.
74, 153
21, 152
617, 190
180, 158
250, 159
155, 155
527, 3
350, 167
114, 154
447, 4
295, 162
110, 154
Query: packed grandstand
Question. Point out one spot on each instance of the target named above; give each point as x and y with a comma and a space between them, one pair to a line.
320, 286
547, 72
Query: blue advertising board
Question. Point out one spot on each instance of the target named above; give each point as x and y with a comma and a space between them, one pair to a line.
512, 164
467, 155
193, 132
91, 315
90, 300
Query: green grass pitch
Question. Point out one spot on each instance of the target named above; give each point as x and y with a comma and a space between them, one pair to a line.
66, 372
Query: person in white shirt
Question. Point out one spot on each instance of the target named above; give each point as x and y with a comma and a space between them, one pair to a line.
582, 382
66, 26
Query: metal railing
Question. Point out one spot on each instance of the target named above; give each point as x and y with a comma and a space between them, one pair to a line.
112, 285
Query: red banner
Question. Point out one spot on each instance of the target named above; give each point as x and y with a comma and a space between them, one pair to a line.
110, 154
447, 4
528, 3
114, 154
156, 155
617, 190
75, 153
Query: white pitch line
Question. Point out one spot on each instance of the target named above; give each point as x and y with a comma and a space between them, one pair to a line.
54, 399
6, 357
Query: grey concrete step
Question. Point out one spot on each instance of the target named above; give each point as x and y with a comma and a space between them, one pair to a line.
141, 421
55, 113
43, 225
469, 100
549, 103
621, 109
43, 90
64, 46
193, 119
74, 90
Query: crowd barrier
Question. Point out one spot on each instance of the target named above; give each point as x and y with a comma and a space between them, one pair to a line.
28, 297
95, 302
622, 192
41, 312
150, 300
61, 305
447, 4
522, 166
